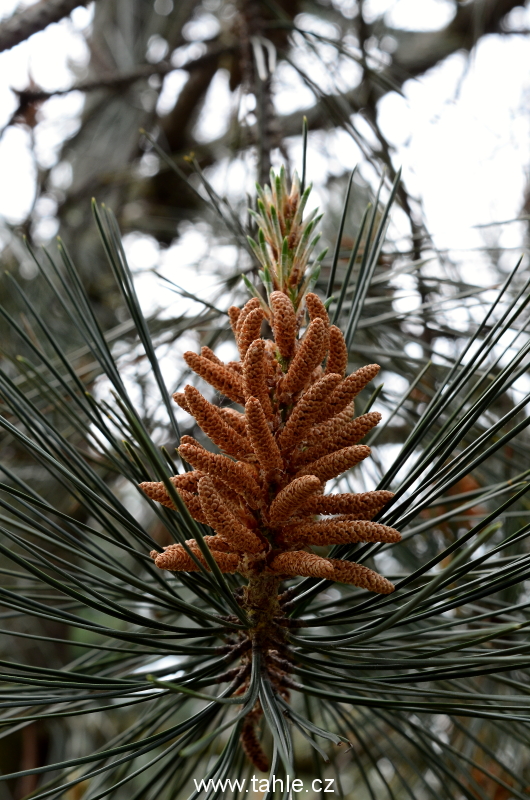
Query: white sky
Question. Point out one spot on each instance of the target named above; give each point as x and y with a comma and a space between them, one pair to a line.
461, 132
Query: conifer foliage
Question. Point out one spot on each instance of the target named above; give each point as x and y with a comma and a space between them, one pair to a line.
237, 606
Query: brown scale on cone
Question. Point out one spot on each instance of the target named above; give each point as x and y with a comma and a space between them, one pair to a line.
294, 429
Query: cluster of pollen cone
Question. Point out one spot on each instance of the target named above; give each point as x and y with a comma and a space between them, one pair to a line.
264, 495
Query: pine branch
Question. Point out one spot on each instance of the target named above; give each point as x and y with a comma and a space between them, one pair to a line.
25, 23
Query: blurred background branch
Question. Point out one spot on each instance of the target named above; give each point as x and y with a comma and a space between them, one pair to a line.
25, 23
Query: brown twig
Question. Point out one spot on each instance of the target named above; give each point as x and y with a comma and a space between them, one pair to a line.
25, 23
119, 80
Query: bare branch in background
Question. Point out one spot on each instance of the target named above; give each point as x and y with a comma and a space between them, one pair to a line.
34, 96
33, 19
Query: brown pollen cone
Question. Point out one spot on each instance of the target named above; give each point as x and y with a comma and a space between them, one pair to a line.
250, 305
254, 375
214, 426
264, 495
339, 531
316, 308
206, 352
349, 389
218, 515
176, 559
284, 323
307, 410
334, 464
307, 357
220, 377
250, 330
323, 430
180, 400
260, 435
237, 475
349, 572
292, 497
364, 505
338, 352
233, 315
298, 562
234, 419
345, 435
157, 491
